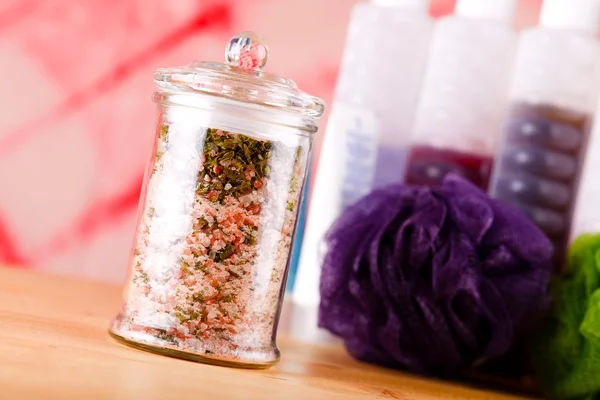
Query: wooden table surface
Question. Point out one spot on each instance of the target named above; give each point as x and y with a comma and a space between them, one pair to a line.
54, 345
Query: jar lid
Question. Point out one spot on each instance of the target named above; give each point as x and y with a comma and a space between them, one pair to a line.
241, 78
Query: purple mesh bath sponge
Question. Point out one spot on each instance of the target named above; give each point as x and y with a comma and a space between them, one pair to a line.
432, 280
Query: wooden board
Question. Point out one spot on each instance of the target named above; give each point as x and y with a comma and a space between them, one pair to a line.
54, 345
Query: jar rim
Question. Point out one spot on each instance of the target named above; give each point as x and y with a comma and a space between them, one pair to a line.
235, 110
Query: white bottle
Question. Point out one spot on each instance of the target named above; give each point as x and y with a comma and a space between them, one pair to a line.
369, 127
586, 217
553, 94
465, 93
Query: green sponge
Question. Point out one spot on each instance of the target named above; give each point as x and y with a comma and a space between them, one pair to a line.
566, 352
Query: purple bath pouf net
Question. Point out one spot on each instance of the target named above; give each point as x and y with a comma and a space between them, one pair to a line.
433, 280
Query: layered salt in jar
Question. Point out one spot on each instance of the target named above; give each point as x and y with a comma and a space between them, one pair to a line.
216, 222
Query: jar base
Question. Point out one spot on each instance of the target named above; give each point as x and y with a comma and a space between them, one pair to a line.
185, 355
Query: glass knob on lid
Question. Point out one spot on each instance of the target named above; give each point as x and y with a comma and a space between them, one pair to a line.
246, 50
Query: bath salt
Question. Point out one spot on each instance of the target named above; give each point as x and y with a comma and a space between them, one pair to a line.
207, 274
218, 210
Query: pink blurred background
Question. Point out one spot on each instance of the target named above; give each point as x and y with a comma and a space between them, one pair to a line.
76, 119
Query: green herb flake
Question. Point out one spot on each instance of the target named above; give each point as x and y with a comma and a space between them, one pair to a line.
194, 315
232, 161
163, 335
234, 274
202, 222
184, 266
290, 206
164, 131
293, 184
250, 239
228, 299
227, 252
198, 298
202, 267
181, 315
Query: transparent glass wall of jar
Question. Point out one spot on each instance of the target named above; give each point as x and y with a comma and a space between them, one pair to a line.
553, 95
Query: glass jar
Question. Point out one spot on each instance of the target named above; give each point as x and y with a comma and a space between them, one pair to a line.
218, 210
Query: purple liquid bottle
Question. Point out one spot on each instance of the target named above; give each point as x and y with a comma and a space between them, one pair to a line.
464, 96
429, 165
554, 93
539, 167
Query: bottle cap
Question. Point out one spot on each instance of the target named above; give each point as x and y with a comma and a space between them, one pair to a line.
411, 4
496, 10
579, 15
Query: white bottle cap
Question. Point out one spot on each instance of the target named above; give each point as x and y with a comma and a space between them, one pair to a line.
579, 15
411, 4
495, 10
